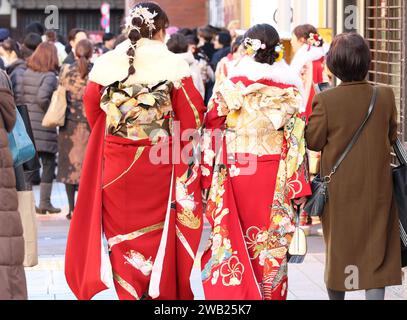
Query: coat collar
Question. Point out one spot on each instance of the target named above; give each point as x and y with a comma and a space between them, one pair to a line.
153, 63
353, 83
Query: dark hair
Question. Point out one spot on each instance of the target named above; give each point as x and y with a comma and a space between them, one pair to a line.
51, 35
268, 36
225, 39
192, 40
177, 43
161, 22
236, 44
84, 52
206, 33
30, 43
35, 27
349, 57
44, 58
186, 32
304, 31
108, 36
72, 34
11, 45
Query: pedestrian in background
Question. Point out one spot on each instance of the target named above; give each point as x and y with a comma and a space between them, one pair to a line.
74, 36
237, 52
51, 36
30, 43
206, 36
222, 44
12, 276
360, 221
39, 83
109, 40
73, 136
15, 66
178, 44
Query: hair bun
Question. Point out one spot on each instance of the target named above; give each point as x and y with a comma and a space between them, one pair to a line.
137, 22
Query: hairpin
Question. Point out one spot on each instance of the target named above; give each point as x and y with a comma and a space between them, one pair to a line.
253, 45
146, 17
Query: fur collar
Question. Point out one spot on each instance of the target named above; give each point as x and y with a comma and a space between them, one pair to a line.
278, 72
153, 63
304, 55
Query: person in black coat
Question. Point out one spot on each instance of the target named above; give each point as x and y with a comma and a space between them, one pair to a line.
222, 44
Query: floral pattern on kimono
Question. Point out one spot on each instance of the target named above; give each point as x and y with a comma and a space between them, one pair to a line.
232, 251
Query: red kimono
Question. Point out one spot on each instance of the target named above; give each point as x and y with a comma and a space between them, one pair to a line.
309, 64
139, 187
254, 165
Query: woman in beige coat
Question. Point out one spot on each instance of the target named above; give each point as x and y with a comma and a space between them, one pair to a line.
12, 276
360, 220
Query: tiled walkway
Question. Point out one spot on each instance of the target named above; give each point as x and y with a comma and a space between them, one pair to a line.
47, 281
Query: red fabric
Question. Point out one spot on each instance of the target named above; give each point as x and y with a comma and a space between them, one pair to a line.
129, 204
317, 77
83, 251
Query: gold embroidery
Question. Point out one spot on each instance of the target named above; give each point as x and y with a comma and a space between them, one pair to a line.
194, 109
126, 286
136, 157
187, 218
134, 235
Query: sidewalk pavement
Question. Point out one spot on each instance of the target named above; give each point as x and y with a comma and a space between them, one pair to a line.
47, 281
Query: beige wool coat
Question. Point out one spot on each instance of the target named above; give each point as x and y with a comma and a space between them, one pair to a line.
360, 221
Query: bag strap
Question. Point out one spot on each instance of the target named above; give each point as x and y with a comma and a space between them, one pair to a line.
355, 137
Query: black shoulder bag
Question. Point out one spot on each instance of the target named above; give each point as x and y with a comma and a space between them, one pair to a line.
316, 203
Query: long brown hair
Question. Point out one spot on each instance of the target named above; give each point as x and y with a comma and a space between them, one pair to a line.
44, 58
84, 52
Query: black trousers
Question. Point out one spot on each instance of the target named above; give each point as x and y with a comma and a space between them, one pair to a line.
48, 165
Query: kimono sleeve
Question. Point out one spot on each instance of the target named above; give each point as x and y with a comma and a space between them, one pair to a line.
91, 101
212, 138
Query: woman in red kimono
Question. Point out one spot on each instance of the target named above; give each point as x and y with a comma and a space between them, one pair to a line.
254, 166
139, 187
309, 63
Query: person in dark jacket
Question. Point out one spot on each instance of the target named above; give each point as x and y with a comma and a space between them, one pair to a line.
30, 43
222, 44
206, 36
39, 83
13, 284
74, 36
15, 66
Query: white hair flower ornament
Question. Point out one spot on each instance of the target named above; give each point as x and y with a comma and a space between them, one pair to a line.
144, 15
253, 45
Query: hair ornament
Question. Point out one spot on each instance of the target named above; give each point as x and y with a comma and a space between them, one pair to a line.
279, 48
146, 17
253, 45
315, 40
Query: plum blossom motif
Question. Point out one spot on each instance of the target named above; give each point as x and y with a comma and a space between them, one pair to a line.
232, 272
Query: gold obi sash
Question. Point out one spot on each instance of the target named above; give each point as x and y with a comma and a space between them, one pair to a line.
256, 116
138, 112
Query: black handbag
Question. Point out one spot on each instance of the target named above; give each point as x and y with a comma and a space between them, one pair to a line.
34, 164
316, 203
400, 194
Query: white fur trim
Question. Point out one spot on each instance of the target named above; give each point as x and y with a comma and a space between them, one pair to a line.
304, 55
278, 72
153, 63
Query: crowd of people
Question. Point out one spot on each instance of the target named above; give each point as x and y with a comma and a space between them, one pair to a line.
124, 96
